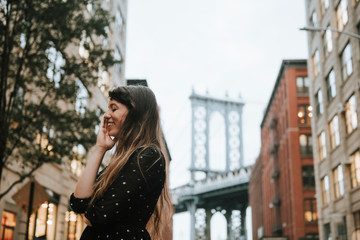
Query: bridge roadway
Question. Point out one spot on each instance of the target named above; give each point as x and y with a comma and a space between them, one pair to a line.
223, 191
229, 189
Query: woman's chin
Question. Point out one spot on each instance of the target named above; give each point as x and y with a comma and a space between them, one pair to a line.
113, 133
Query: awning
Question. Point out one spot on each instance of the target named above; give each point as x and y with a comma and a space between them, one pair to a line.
22, 196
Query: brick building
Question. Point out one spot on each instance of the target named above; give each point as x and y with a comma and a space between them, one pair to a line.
282, 186
334, 70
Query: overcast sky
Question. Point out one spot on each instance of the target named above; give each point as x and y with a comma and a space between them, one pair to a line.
233, 46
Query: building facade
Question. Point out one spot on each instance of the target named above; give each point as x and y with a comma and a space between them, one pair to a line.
50, 187
334, 71
256, 199
285, 205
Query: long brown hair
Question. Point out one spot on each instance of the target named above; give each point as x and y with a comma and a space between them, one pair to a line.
140, 129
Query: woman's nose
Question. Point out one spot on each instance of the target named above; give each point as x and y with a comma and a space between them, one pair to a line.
107, 115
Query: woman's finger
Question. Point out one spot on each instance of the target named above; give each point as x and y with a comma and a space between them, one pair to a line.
102, 123
105, 122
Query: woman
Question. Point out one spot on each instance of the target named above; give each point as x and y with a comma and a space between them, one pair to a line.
127, 197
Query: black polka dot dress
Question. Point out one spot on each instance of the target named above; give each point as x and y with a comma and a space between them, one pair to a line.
124, 210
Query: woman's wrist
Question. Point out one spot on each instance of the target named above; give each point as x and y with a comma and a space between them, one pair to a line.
100, 149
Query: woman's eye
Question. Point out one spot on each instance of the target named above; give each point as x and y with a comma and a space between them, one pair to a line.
113, 110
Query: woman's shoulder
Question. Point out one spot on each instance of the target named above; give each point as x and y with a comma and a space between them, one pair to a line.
148, 152
147, 156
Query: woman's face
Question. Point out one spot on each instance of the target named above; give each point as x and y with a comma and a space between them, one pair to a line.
115, 117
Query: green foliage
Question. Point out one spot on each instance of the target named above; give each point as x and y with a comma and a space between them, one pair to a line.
39, 63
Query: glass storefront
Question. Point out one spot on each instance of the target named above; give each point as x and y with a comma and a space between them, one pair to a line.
8, 223
74, 225
42, 223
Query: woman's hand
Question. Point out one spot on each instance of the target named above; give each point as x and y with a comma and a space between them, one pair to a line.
104, 140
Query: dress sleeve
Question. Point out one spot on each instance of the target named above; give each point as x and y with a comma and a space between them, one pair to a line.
142, 175
79, 205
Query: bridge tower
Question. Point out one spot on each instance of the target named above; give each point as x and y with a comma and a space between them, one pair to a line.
231, 111
201, 204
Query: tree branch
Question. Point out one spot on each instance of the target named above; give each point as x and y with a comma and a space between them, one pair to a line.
21, 62
22, 178
5, 62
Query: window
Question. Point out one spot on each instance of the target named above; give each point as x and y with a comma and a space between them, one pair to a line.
118, 59
327, 231
119, 20
90, 8
342, 14
327, 38
334, 132
351, 115
341, 230
8, 224
310, 211
346, 62
22, 40
55, 64
313, 22
78, 161
85, 46
331, 85
324, 6
319, 103
314, 19
73, 225
316, 63
42, 222
103, 80
106, 38
81, 98
325, 190
44, 139
355, 169
302, 85
305, 144
322, 145
18, 107
304, 114
308, 177
357, 224
338, 181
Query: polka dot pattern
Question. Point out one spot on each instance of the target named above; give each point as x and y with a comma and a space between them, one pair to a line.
125, 208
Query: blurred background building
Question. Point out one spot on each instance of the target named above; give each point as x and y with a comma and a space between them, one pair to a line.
52, 184
335, 95
282, 185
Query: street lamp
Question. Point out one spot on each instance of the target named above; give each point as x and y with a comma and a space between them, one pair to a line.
318, 29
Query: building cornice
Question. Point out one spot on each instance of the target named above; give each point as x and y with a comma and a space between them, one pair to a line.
286, 63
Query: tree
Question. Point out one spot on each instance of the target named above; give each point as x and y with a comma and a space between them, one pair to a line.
41, 74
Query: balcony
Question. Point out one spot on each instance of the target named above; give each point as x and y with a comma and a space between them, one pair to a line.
274, 147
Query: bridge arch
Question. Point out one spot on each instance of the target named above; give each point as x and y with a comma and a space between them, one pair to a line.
218, 226
217, 142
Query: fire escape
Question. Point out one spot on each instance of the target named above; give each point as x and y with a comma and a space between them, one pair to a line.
276, 200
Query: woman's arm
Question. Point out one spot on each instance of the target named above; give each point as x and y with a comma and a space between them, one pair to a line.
85, 184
